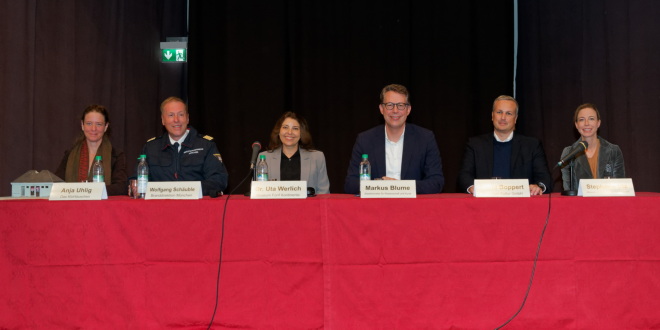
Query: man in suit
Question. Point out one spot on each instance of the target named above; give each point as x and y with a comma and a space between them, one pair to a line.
397, 150
504, 154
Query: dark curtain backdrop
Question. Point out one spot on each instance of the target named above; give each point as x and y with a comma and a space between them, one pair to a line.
328, 60
251, 61
60, 56
601, 52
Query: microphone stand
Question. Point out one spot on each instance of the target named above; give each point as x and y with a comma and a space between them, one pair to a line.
253, 170
571, 171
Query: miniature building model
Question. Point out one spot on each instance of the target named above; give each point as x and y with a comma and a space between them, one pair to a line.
34, 184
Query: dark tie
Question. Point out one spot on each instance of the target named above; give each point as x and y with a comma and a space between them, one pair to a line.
176, 147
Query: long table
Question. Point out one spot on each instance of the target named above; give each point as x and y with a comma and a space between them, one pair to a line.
334, 261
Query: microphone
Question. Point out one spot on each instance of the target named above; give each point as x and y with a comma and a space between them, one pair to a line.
256, 147
582, 146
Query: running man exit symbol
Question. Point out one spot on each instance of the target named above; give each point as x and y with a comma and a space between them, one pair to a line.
173, 55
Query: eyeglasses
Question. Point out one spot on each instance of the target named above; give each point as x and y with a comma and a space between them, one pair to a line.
400, 106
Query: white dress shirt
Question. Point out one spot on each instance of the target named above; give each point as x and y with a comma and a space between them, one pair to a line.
393, 156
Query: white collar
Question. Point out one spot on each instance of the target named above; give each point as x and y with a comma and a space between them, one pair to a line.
387, 139
183, 138
505, 140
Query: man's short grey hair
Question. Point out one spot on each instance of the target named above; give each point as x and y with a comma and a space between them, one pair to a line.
506, 98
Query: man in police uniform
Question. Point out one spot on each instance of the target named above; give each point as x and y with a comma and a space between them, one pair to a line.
182, 154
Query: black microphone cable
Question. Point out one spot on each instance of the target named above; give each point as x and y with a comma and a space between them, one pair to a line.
222, 239
536, 258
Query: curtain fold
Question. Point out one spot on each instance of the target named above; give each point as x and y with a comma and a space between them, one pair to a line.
251, 62
60, 57
601, 52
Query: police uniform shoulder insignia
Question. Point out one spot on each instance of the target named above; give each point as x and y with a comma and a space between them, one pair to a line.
153, 138
210, 138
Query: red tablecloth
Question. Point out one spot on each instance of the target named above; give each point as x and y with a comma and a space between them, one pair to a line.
334, 261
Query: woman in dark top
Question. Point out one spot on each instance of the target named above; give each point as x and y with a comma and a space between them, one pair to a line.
93, 141
291, 154
602, 159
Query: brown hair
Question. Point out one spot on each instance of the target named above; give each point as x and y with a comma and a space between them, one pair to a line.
94, 108
395, 88
305, 141
584, 106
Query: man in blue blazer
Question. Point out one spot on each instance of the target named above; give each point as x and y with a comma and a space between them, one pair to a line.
396, 150
504, 154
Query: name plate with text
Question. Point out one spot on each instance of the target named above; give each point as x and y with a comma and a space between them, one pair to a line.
606, 187
174, 190
501, 188
388, 189
78, 191
278, 190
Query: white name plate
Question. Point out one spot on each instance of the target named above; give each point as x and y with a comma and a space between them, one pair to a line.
606, 187
388, 189
278, 190
501, 188
78, 191
174, 190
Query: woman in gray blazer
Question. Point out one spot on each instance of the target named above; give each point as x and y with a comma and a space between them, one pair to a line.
291, 155
602, 159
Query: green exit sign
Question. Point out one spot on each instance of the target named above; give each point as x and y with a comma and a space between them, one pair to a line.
173, 55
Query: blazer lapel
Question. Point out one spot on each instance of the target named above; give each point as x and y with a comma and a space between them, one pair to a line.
408, 152
515, 151
274, 163
489, 159
378, 167
305, 164
604, 155
582, 168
